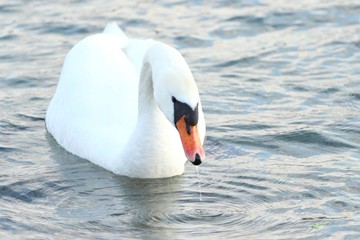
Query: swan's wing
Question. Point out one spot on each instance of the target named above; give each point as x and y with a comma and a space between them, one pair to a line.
113, 29
94, 109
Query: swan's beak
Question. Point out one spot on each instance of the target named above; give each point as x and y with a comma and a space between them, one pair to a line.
190, 139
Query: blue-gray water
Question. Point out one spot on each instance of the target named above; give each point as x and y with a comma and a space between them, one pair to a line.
281, 93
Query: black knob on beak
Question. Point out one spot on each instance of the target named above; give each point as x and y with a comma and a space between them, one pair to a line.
197, 160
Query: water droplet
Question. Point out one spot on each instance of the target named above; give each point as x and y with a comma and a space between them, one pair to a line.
198, 175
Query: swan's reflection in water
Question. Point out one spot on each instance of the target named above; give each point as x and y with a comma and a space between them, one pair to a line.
97, 199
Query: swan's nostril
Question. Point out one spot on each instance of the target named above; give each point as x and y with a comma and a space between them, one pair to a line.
197, 160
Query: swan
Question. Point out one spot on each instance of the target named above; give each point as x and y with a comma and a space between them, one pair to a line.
128, 105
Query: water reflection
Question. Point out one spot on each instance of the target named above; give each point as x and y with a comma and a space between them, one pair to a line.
97, 194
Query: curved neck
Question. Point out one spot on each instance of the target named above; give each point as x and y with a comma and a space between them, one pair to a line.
146, 99
155, 58
164, 74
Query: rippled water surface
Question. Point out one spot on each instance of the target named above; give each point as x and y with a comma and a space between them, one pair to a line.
281, 92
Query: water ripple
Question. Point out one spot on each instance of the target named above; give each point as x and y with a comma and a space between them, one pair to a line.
9, 8
191, 42
7, 149
311, 137
8, 37
241, 62
25, 195
63, 29
280, 92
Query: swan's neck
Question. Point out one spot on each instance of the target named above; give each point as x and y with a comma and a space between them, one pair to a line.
146, 103
161, 152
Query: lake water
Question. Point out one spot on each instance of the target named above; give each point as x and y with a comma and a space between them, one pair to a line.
279, 81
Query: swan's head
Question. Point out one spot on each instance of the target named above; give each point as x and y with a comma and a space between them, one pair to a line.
177, 96
186, 121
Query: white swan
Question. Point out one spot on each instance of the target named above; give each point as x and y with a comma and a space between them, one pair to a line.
130, 106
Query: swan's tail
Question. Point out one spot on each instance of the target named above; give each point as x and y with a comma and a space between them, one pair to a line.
113, 29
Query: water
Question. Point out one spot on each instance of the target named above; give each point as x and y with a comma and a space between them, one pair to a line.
198, 175
281, 92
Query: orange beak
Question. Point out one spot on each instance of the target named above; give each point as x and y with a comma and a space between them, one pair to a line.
190, 139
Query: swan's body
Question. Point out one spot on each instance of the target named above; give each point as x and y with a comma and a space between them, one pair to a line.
114, 105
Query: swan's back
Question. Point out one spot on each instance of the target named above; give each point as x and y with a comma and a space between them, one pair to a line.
94, 109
